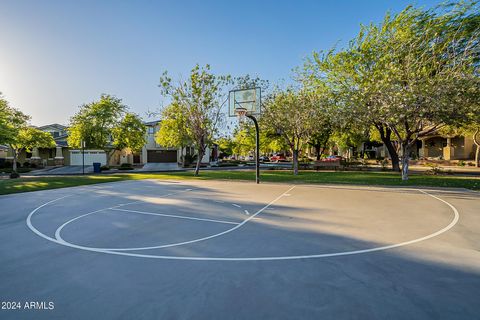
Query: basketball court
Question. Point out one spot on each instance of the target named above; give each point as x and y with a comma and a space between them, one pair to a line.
223, 249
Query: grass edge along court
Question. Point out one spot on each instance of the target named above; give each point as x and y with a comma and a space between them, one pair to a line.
27, 184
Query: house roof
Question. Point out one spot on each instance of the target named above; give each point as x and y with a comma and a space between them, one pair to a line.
152, 123
53, 125
61, 143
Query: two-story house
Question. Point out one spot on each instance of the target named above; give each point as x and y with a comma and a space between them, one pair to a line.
153, 152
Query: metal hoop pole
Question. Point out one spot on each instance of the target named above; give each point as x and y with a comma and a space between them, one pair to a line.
257, 149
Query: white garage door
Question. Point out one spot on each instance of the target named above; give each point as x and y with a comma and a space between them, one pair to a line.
91, 156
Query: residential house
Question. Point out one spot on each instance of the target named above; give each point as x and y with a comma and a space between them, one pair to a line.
153, 152
62, 154
441, 147
47, 156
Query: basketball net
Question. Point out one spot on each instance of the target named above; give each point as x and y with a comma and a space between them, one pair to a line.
241, 114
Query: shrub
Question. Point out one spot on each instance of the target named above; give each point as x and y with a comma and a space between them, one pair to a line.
104, 168
461, 163
435, 170
304, 160
383, 163
33, 165
26, 164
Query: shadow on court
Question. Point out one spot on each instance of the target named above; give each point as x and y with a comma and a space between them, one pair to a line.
435, 279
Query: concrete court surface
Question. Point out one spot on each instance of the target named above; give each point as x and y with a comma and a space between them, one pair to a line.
156, 249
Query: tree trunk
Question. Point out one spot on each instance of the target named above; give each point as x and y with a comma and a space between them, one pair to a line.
476, 140
385, 136
295, 162
110, 154
318, 151
393, 155
183, 155
199, 160
405, 160
14, 165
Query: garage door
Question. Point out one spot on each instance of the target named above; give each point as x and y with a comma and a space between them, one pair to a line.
91, 156
161, 155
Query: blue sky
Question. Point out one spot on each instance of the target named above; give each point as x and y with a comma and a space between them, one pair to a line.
57, 55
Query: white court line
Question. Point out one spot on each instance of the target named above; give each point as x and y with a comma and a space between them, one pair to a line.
59, 229
175, 216
273, 258
236, 205
247, 213
62, 241
58, 239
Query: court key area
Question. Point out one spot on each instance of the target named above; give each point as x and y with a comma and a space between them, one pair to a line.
236, 250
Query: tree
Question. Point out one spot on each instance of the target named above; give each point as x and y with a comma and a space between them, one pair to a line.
225, 146
347, 139
293, 115
94, 122
173, 130
409, 76
247, 82
29, 138
106, 124
244, 140
351, 76
428, 79
199, 102
12, 124
11, 121
130, 133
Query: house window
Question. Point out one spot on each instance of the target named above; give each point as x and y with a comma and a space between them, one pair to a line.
151, 130
55, 134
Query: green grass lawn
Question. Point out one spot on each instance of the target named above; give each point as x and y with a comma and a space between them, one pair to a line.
26, 184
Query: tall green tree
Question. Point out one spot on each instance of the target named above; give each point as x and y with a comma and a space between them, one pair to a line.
15, 132
106, 124
351, 75
173, 129
129, 133
429, 77
293, 115
11, 122
95, 121
409, 76
199, 100
29, 138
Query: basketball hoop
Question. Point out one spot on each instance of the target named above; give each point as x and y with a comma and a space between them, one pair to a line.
241, 113
244, 103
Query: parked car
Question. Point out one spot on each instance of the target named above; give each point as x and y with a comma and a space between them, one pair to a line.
264, 159
249, 158
333, 158
278, 157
